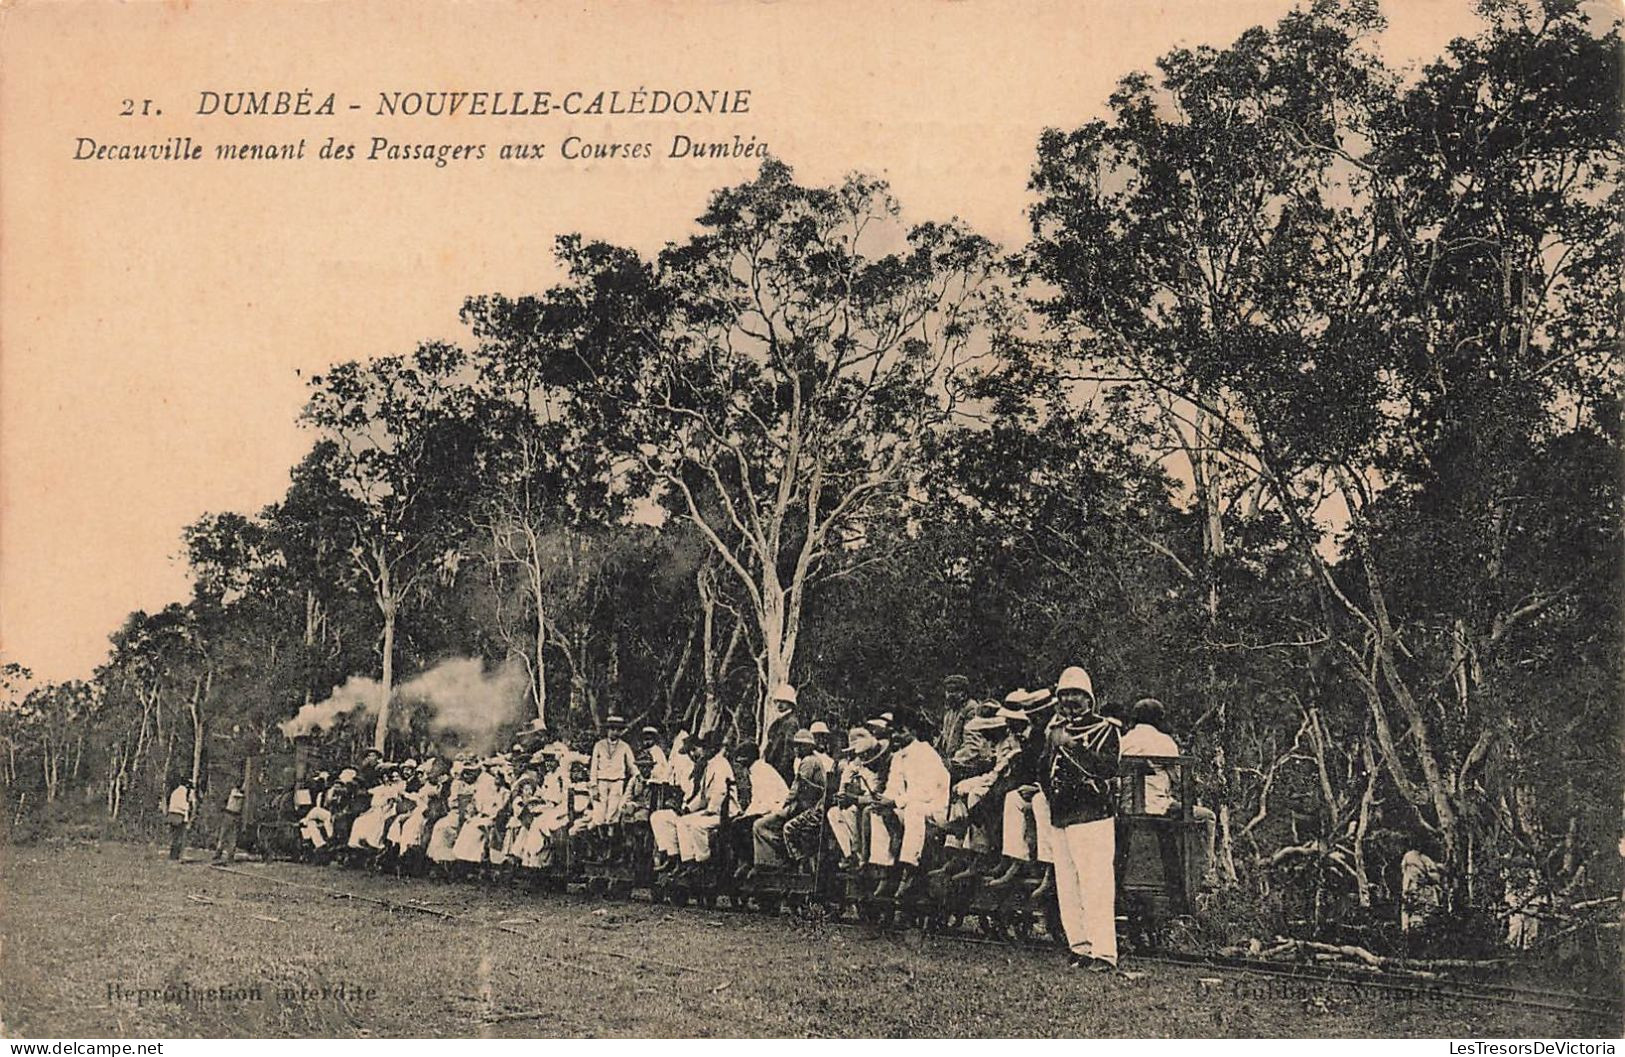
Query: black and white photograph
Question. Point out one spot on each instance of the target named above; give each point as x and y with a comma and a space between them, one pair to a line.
921, 519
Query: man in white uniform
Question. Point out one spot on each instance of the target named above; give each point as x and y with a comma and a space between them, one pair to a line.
916, 795
613, 766
687, 836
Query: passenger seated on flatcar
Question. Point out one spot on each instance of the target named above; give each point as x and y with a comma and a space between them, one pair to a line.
477, 835
687, 836
680, 768
522, 804
857, 783
763, 792
544, 813
916, 796
428, 807
459, 805
316, 826
976, 818
344, 802
407, 800
654, 759
1147, 736
367, 832
1025, 830
792, 831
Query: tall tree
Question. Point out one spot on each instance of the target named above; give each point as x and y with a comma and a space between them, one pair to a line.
405, 441
1354, 291
771, 377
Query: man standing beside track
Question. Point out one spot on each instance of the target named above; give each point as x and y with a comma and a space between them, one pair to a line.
777, 747
613, 766
178, 811
1080, 763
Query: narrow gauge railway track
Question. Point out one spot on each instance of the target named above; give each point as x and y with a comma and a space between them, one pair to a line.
1440, 987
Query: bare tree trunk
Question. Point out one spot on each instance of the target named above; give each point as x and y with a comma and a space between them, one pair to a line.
1362, 825
539, 669
386, 603
200, 692
714, 714
47, 766
704, 580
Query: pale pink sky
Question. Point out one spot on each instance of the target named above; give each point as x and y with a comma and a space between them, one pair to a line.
153, 315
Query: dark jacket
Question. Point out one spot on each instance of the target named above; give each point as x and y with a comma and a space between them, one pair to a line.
778, 750
1078, 771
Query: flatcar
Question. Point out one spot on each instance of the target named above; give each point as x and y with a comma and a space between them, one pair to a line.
1159, 865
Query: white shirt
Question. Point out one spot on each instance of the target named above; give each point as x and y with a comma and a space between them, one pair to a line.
681, 771
612, 761
767, 789
716, 786
180, 802
1143, 739
918, 778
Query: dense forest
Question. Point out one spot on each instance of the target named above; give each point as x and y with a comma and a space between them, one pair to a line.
1299, 410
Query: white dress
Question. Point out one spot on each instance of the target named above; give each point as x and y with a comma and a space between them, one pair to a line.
443, 838
473, 838
368, 829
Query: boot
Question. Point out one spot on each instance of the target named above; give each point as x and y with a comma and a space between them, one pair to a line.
972, 870
915, 887
1009, 876
1046, 887
950, 864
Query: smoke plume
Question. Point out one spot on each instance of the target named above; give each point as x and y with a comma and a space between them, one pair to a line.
467, 701
463, 701
358, 694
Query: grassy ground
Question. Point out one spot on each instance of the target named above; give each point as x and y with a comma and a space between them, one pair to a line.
79, 922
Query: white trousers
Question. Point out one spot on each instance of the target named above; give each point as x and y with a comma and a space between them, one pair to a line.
914, 818
694, 836
317, 827
1086, 887
1027, 828
843, 826
663, 825
686, 836
608, 801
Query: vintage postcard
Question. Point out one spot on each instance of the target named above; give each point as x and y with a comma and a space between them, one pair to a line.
902, 519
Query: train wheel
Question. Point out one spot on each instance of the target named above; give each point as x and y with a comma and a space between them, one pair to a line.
598, 887
679, 897
768, 904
